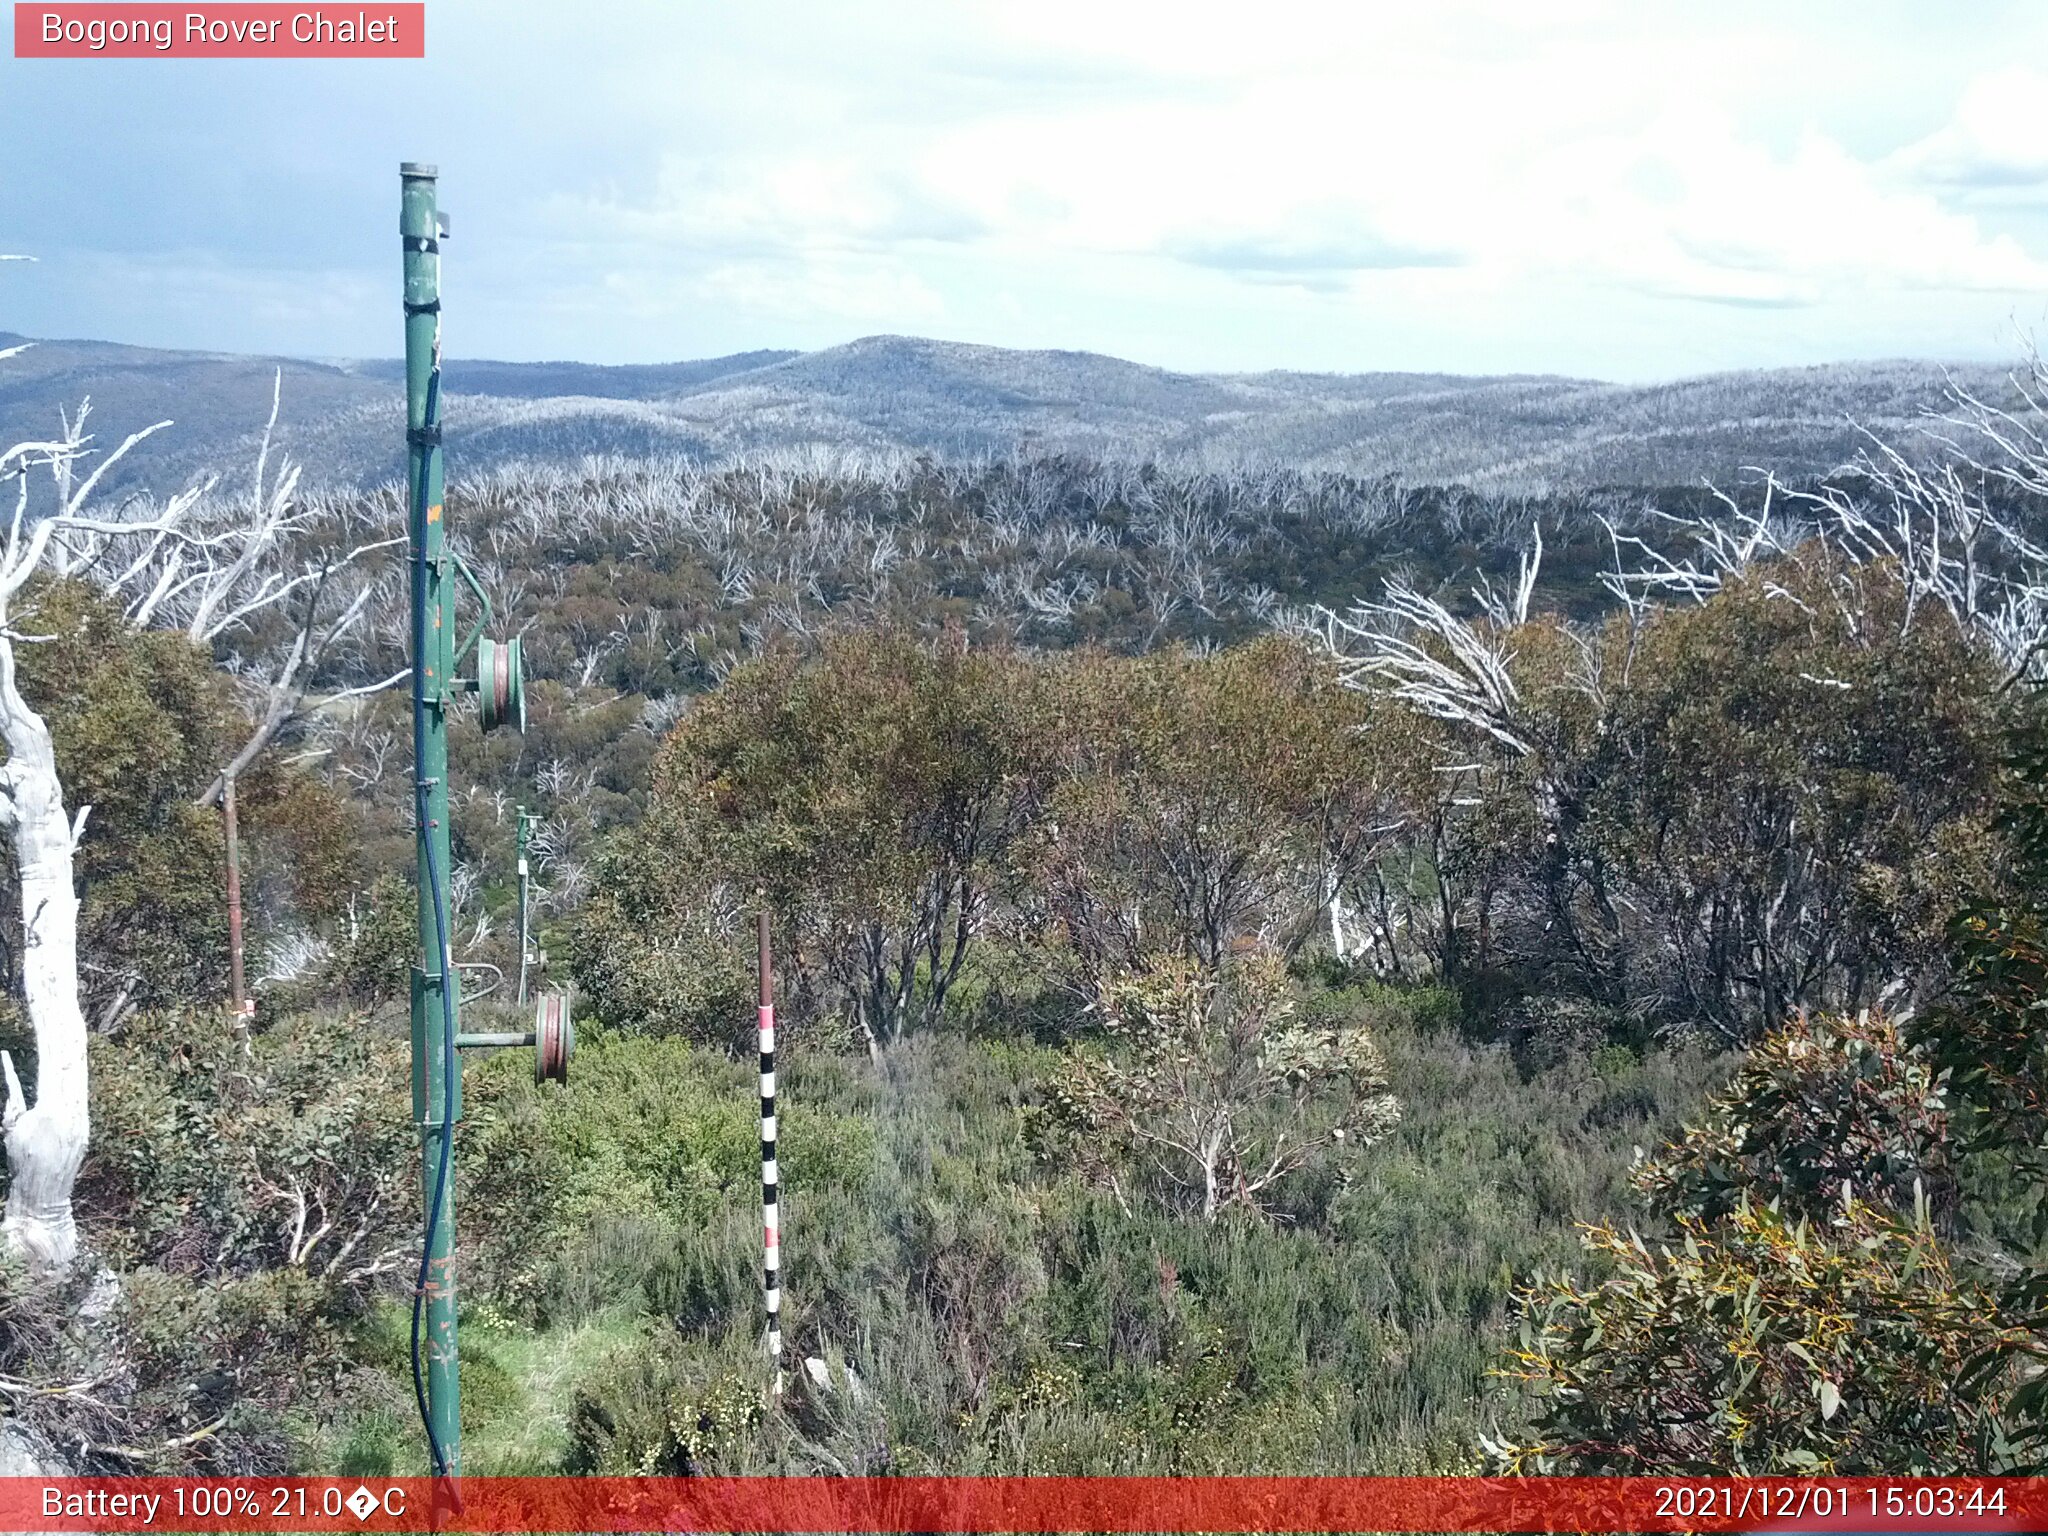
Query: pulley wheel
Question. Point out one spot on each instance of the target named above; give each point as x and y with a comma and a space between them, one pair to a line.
554, 1038
500, 684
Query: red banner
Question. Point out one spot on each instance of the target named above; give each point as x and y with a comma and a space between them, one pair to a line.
211, 31
1110, 1504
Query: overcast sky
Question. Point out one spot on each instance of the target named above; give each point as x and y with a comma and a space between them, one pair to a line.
1622, 190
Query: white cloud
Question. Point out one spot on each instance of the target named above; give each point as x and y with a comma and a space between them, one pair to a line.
1585, 184
870, 294
763, 204
1321, 167
1692, 208
1997, 138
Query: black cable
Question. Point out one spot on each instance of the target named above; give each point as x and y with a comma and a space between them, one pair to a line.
445, 954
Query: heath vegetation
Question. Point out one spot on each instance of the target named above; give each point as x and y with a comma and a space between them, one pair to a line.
1280, 971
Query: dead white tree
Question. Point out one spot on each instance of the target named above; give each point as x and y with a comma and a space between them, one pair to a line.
46, 1141
1944, 522
1413, 648
263, 558
234, 563
162, 559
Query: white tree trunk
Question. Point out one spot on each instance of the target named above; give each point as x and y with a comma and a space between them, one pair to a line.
1212, 1194
207, 560
46, 1142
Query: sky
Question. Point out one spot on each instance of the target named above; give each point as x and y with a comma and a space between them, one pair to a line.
1629, 191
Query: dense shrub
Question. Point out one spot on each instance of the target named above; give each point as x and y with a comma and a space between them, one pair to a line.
372, 959
1198, 803
1705, 814
1761, 1343
142, 721
664, 1412
659, 948
1794, 1307
251, 1204
638, 1182
1824, 1112
1790, 797
1002, 1313
314, 1115
870, 798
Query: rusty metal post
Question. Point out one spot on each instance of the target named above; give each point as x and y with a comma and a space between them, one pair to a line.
237, 990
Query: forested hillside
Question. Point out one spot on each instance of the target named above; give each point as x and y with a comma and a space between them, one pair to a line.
1256, 949
899, 397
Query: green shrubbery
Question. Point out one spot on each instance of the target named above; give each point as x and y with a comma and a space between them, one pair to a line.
1000, 1310
1763, 1343
1701, 817
636, 1184
1174, 825
1819, 1285
1075, 907
1793, 1308
319, 1113
253, 1203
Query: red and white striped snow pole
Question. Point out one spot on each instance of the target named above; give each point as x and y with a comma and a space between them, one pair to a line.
771, 1211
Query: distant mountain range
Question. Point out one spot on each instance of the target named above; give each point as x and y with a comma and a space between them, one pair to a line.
342, 420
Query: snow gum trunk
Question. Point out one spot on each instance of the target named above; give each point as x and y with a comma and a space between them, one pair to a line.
45, 1143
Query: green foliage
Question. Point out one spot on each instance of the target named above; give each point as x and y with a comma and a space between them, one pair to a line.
318, 1113
1759, 1344
1716, 815
1214, 1079
1003, 1314
662, 1412
1750, 806
655, 949
869, 796
1989, 1037
1799, 798
1711, 814
250, 1205
233, 1360
139, 721
142, 721
1201, 801
1826, 1110
1803, 1313
373, 959
892, 801
635, 1179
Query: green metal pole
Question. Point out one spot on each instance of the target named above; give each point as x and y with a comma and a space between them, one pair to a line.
436, 1065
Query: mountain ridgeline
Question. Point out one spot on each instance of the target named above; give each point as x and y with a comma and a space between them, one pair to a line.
894, 395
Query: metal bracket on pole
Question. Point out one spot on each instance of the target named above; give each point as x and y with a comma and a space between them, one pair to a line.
483, 602
553, 1039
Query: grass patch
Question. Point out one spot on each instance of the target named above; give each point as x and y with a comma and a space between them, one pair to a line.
518, 1395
